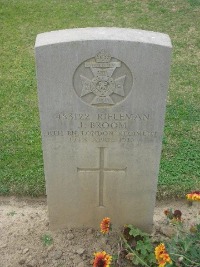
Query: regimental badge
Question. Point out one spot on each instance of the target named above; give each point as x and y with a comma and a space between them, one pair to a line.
102, 80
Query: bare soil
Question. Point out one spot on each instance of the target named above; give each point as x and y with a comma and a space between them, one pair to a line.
24, 233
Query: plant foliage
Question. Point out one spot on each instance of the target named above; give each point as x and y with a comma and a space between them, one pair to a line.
184, 248
140, 250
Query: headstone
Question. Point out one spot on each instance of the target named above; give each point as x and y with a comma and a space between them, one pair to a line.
102, 96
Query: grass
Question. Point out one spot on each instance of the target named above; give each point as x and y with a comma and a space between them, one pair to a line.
47, 240
21, 165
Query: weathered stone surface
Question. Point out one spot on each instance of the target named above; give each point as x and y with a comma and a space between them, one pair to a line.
26, 250
80, 251
81, 264
102, 94
22, 261
57, 254
70, 236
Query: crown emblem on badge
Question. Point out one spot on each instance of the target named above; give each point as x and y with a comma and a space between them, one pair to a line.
102, 56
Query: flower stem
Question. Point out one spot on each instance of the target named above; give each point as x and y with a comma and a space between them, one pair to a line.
125, 241
183, 257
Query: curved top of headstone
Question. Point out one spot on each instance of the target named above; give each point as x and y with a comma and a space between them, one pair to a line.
102, 33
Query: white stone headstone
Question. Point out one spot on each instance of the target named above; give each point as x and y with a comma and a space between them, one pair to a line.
102, 97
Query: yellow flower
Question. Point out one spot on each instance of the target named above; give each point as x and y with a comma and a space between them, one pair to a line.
194, 196
159, 250
102, 259
162, 256
105, 225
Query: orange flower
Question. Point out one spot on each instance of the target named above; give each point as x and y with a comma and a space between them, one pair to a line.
194, 196
102, 259
169, 213
162, 256
105, 225
166, 212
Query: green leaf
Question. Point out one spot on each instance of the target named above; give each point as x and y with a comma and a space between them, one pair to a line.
142, 247
136, 260
135, 231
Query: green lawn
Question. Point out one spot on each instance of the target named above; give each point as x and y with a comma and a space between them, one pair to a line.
21, 165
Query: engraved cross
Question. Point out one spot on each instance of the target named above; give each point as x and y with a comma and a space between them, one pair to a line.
101, 170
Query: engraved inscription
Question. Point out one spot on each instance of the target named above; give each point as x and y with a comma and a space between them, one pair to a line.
104, 125
101, 169
103, 116
124, 128
102, 80
77, 136
72, 116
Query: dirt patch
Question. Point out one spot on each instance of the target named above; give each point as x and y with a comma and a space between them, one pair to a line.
26, 240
